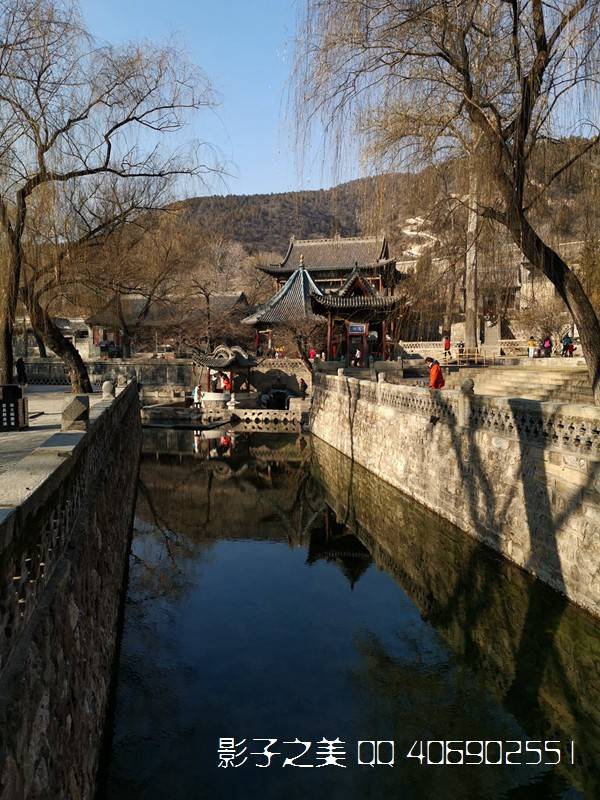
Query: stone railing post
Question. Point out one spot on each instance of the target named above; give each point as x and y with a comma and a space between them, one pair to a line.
75, 413
108, 390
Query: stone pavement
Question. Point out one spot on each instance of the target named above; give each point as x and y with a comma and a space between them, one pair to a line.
45, 403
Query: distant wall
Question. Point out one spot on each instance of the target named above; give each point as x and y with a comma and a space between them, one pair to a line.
285, 371
169, 379
159, 379
63, 557
521, 476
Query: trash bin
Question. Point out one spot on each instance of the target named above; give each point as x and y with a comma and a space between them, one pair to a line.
14, 414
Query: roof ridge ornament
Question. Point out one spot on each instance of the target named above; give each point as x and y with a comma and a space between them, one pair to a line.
302, 259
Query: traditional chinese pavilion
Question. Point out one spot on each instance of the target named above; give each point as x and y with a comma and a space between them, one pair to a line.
349, 282
290, 307
330, 262
361, 323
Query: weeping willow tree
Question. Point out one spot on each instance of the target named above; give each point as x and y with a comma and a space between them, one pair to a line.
75, 113
418, 82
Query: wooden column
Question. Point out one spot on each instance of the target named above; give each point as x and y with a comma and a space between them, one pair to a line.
384, 340
329, 335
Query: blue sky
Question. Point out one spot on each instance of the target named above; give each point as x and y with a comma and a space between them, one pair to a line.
245, 47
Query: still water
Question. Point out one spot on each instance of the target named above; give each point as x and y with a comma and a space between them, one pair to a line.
283, 598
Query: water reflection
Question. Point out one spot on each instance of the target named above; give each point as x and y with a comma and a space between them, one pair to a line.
279, 591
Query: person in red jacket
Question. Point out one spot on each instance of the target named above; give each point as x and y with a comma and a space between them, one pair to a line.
436, 378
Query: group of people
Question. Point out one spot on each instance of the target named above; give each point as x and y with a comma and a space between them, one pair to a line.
544, 348
219, 382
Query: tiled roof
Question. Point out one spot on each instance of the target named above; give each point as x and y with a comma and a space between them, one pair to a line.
356, 279
330, 302
336, 253
288, 269
292, 303
161, 312
224, 357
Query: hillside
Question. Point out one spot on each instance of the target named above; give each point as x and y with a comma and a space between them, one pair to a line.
267, 221
410, 207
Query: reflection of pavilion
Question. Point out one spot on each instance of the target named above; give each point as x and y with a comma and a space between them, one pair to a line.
333, 543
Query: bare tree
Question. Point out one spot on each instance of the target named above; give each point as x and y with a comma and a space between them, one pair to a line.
73, 111
513, 73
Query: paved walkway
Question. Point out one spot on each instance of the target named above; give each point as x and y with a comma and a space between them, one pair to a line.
45, 403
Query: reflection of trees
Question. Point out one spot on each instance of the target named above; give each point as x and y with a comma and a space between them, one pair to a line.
535, 652
158, 552
413, 692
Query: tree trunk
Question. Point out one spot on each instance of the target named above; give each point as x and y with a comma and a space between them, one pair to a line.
570, 290
40, 345
208, 326
471, 299
300, 342
126, 344
6, 353
46, 328
448, 312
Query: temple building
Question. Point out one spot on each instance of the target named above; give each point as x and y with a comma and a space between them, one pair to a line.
330, 262
290, 309
349, 284
361, 323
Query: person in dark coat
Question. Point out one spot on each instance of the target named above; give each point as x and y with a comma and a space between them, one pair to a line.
21, 372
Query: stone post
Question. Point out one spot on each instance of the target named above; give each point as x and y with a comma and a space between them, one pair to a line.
108, 390
75, 413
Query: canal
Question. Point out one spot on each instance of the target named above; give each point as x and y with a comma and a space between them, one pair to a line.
284, 605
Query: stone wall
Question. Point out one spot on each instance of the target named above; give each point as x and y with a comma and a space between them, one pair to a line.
65, 522
171, 374
280, 371
536, 653
521, 476
169, 379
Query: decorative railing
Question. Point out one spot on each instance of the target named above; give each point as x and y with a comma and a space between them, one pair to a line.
571, 428
292, 364
543, 424
409, 399
35, 530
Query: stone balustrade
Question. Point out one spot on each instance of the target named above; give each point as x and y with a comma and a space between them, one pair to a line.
65, 519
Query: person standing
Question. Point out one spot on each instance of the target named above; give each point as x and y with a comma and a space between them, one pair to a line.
197, 394
547, 345
436, 377
531, 347
21, 372
447, 346
227, 384
566, 342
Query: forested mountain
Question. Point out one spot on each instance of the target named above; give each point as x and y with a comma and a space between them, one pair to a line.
389, 203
